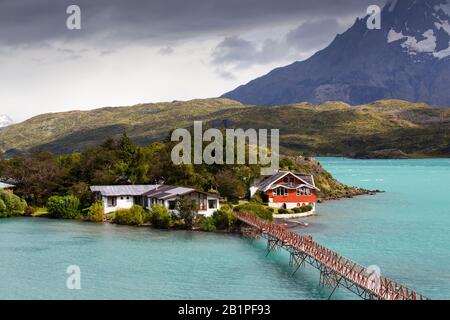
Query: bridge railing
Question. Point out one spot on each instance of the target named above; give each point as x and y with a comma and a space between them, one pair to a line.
384, 289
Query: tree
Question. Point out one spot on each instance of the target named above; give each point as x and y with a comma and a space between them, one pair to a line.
188, 210
37, 177
81, 190
230, 186
127, 149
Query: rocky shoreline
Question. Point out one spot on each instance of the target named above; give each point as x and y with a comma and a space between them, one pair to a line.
354, 192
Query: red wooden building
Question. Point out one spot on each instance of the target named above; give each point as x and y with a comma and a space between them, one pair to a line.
288, 190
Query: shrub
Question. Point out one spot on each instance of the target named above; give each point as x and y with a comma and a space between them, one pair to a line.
259, 210
283, 211
11, 205
96, 212
132, 217
302, 209
66, 207
160, 217
207, 224
224, 218
146, 216
257, 199
226, 206
2, 209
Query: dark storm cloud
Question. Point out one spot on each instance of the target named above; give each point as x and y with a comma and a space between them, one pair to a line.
314, 34
236, 52
27, 22
242, 52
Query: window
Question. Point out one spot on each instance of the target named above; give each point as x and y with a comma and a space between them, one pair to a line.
212, 204
280, 191
112, 201
172, 204
303, 191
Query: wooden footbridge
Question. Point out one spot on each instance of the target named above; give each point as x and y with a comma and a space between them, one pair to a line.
334, 269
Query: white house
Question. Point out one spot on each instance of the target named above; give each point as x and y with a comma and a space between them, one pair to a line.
125, 196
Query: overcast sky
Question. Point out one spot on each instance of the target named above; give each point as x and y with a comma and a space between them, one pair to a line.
135, 51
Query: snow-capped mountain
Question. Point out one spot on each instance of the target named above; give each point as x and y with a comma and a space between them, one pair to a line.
5, 121
409, 58
427, 33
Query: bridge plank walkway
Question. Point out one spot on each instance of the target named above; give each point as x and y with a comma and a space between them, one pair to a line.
335, 270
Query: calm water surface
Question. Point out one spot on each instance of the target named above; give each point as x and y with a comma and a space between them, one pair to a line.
405, 231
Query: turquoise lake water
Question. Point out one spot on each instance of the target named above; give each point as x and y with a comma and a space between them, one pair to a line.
405, 231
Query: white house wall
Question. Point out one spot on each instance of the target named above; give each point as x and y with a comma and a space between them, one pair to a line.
124, 203
208, 212
120, 204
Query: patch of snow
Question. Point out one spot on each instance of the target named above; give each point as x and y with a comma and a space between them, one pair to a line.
428, 45
446, 52
394, 36
443, 25
444, 7
443, 53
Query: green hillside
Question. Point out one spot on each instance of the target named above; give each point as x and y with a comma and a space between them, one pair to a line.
389, 128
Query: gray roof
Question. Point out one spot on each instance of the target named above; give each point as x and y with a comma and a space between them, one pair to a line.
264, 184
168, 191
269, 180
5, 185
124, 190
308, 178
153, 191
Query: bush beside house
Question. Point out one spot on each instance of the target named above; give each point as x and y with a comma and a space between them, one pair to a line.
96, 212
302, 209
133, 216
160, 217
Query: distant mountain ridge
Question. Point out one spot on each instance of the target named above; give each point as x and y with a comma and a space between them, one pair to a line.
408, 59
388, 128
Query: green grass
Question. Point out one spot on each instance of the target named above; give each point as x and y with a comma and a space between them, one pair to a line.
40, 211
